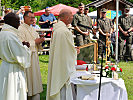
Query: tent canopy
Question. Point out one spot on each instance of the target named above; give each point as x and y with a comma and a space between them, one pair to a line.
94, 13
56, 10
131, 11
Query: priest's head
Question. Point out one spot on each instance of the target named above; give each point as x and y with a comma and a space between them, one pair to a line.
12, 19
29, 17
66, 16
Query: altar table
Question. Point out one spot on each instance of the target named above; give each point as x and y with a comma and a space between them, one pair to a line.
110, 89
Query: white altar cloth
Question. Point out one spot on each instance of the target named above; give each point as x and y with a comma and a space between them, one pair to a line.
110, 90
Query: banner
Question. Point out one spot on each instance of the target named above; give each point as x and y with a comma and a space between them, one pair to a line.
111, 14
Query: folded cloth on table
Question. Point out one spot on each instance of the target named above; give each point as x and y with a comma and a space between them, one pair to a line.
80, 67
88, 77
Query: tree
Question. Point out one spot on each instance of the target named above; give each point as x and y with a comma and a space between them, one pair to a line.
41, 4
130, 1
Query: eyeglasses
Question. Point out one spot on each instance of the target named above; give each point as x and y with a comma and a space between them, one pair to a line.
31, 17
81, 6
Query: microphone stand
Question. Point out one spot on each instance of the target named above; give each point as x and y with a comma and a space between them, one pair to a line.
101, 70
100, 75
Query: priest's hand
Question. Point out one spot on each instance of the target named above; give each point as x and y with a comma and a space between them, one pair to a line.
78, 50
39, 40
41, 35
26, 43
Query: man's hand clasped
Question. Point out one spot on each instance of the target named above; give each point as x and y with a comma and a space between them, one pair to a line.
86, 33
126, 33
108, 34
26, 43
39, 40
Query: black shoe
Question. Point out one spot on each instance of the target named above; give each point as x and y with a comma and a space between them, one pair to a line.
127, 59
47, 52
43, 53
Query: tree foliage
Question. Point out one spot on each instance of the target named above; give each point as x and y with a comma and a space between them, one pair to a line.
130, 1
41, 4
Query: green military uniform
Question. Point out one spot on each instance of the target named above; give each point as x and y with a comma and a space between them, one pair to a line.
126, 22
90, 25
105, 25
82, 22
89, 21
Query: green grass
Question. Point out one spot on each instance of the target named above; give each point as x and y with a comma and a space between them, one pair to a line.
43, 60
127, 75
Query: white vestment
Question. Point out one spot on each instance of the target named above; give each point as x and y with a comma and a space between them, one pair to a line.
28, 34
15, 58
62, 60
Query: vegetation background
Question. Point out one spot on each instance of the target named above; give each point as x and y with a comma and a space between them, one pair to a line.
37, 5
42, 4
127, 75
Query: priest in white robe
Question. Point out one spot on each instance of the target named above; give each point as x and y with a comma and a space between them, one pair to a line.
15, 58
29, 34
62, 59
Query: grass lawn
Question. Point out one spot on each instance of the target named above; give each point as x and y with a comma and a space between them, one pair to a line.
127, 76
126, 67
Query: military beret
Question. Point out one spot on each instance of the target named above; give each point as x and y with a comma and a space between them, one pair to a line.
81, 4
86, 8
127, 7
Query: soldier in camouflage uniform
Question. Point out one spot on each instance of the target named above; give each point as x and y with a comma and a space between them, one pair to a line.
125, 33
80, 23
105, 27
86, 11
